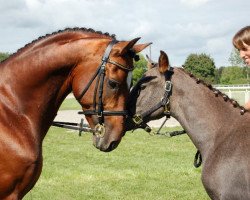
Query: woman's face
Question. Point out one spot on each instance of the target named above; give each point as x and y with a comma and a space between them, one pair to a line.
245, 54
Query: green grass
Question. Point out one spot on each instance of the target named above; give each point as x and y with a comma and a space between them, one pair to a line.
143, 167
70, 104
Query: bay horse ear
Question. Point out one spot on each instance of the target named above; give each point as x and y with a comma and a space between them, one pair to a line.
163, 62
139, 47
123, 47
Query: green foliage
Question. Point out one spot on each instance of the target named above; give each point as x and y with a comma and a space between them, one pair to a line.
4, 56
218, 73
234, 75
140, 68
202, 66
235, 59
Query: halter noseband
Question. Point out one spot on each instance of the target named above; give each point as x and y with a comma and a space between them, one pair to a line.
100, 75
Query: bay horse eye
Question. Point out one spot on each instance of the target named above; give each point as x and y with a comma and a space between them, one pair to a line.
113, 84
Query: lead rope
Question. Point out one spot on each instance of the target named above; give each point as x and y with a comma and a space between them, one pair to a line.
168, 134
197, 157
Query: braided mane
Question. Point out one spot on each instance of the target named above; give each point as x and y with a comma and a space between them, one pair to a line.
217, 92
75, 29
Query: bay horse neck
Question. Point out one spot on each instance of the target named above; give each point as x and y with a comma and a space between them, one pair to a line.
40, 73
204, 115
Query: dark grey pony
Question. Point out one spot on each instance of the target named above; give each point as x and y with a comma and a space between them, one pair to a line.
217, 125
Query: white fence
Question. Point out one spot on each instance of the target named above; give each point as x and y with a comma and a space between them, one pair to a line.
240, 93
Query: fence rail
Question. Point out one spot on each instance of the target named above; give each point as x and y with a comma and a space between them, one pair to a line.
240, 92
233, 87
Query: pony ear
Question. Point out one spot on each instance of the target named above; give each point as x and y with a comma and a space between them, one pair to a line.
123, 47
139, 47
163, 62
150, 63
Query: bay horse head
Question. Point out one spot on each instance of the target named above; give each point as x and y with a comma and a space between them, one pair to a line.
104, 92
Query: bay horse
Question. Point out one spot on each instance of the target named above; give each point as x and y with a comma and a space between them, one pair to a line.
217, 125
34, 82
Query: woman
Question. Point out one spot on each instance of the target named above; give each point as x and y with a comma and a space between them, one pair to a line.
241, 41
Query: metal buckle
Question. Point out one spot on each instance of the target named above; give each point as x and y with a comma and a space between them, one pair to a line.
137, 119
166, 108
168, 86
99, 130
147, 129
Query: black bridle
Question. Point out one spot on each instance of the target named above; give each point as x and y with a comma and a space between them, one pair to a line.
100, 75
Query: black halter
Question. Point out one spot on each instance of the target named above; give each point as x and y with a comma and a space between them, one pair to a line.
138, 118
100, 74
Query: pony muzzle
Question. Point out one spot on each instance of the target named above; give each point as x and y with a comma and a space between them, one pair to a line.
99, 130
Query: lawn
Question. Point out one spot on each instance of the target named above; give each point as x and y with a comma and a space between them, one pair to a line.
143, 167
70, 104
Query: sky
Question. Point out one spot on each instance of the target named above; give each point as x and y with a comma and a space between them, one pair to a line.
178, 27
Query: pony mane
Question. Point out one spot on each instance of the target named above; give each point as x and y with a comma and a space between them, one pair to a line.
216, 91
75, 29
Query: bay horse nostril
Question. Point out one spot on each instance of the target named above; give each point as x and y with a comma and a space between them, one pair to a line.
112, 146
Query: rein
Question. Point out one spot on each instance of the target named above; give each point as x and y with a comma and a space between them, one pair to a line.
81, 127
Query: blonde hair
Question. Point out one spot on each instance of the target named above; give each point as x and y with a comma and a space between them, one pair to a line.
242, 37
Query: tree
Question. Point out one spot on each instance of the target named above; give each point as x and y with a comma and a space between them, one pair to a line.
4, 56
234, 75
140, 68
202, 66
235, 59
218, 73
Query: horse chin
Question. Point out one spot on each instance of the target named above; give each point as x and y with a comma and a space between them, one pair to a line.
103, 144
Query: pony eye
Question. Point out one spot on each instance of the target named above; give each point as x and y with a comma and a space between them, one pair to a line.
113, 84
142, 86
